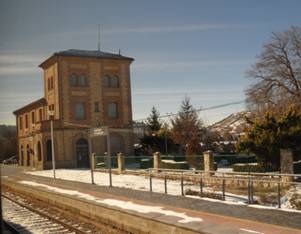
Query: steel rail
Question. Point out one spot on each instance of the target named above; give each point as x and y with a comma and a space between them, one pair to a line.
70, 227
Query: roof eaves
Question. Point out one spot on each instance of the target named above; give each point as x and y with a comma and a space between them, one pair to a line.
39, 102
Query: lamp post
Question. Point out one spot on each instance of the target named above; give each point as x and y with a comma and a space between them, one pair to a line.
109, 156
166, 151
51, 116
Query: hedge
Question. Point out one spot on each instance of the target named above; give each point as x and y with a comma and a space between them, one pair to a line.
251, 167
146, 163
171, 164
200, 166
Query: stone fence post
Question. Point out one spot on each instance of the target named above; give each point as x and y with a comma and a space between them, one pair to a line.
208, 162
120, 157
157, 161
286, 164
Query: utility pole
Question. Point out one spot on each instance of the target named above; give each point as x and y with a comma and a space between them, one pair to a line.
166, 151
51, 116
109, 156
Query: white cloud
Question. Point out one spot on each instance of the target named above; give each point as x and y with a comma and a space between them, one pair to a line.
177, 28
19, 58
18, 70
92, 32
19, 64
182, 65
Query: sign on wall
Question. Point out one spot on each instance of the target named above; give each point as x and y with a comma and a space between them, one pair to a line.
103, 131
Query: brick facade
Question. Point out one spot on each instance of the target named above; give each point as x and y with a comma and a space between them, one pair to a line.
89, 97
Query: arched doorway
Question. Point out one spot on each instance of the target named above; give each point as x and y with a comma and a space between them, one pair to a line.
22, 155
48, 151
28, 155
82, 153
39, 151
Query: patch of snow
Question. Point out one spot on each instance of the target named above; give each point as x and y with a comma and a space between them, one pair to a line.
224, 169
135, 182
250, 231
273, 208
140, 182
293, 191
128, 205
172, 161
246, 164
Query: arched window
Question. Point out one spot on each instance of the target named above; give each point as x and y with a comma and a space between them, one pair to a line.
73, 80
40, 114
48, 150
111, 81
82, 81
106, 81
22, 155
28, 155
48, 84
39, 151
114, 82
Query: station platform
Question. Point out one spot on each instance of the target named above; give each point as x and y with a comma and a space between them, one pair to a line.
146, 212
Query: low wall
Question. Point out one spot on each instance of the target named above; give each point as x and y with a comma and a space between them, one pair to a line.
125, 220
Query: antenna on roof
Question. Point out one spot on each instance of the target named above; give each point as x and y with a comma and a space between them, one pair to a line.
98, 45
119, 51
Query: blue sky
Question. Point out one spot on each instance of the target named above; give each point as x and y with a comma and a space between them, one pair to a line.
197, 48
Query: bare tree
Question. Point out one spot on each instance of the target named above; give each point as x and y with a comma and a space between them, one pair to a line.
277, 73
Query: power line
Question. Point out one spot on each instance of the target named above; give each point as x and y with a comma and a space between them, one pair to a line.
198, 110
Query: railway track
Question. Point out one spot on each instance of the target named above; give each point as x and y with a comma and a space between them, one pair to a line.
30, 217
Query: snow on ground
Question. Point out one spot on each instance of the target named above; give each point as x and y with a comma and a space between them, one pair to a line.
224, 169
292, 193
135, 182
128, 205
141, 182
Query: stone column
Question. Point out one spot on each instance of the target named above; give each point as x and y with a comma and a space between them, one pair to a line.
286, 164
120, 163
208, 162
157, 161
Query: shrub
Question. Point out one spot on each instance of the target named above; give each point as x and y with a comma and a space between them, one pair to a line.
200, 166
146, 163
251, 167
235, 158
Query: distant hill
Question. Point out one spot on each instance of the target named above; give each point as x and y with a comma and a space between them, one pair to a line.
234, 124
7, 131
8, 141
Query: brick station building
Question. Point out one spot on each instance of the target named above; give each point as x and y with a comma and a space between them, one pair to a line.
84, 89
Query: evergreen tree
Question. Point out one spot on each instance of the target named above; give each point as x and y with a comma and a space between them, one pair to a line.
186, 128
153, 122
267, 137
153, 138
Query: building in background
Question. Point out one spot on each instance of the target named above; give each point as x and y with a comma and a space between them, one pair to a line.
84, 89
